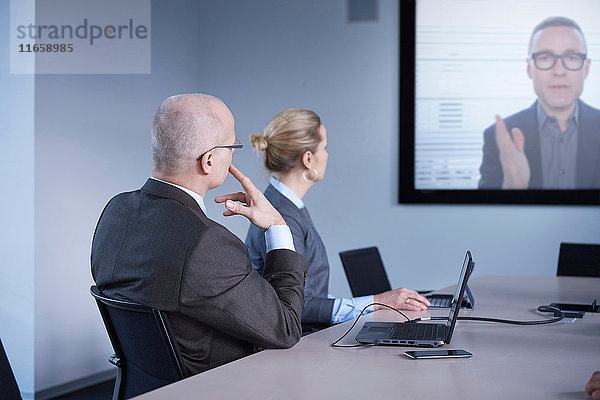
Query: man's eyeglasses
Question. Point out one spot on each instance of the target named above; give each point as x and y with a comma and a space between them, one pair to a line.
236, 147
571, 61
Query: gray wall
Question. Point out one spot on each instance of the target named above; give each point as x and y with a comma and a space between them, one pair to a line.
16, 213
92, 141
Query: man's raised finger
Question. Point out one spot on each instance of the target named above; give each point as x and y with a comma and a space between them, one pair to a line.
239, 196
243, 179
237, 209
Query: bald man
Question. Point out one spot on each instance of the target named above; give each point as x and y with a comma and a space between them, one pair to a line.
156, 246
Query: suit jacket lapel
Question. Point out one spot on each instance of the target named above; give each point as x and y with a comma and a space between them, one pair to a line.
529, 126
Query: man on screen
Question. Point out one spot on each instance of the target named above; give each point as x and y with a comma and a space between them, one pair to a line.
555, 143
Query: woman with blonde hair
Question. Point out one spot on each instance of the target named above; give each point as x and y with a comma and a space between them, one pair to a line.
295, 147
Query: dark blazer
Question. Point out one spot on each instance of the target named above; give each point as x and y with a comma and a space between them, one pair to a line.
588, 149
156, 246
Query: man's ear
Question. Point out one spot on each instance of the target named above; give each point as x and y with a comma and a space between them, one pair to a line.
307, 159
529, 61
206, 164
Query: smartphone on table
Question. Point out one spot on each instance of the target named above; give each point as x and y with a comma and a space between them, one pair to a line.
424, 354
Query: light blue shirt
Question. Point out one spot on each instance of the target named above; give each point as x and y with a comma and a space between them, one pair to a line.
276, 237
347, 309
344, 309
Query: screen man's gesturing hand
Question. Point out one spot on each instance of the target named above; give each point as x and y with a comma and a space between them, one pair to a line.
512, 156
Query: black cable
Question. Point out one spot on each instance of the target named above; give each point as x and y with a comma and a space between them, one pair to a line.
334, 344
555, 310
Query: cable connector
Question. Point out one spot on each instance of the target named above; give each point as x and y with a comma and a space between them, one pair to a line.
419, 319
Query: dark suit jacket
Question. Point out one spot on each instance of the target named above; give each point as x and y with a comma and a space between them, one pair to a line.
588, 149
155, 246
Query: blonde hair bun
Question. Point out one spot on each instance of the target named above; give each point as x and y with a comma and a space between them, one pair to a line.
259, 142
290, 134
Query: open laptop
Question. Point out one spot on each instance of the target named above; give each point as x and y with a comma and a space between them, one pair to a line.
366, 276
365, 272
445, 300
419, 334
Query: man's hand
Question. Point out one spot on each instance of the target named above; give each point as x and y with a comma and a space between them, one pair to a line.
402, 299
592, 389
257, 209
512, 156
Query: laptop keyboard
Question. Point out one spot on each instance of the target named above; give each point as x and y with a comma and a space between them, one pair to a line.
416, 331
440, 302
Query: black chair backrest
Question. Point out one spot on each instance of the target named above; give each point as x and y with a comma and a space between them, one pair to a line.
141, 337
8, 385
365, 272
577, 259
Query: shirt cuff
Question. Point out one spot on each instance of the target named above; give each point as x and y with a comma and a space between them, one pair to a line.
279, 237
347, 309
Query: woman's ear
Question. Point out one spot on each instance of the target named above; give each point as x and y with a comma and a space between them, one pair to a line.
307, 159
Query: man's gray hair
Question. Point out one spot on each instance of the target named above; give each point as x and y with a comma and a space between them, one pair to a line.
556, 21
184, 126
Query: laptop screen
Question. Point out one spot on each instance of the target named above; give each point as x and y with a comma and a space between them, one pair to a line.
459, 293
365, 272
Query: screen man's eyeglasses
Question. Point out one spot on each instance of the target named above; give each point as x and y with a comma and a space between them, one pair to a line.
571, 61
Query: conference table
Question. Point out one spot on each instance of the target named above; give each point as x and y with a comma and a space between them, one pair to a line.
552, 361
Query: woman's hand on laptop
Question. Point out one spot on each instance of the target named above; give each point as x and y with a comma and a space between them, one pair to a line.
402, 299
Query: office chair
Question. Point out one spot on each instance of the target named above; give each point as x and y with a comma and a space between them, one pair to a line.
8, 384
146, 354
364, 271
578, 259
